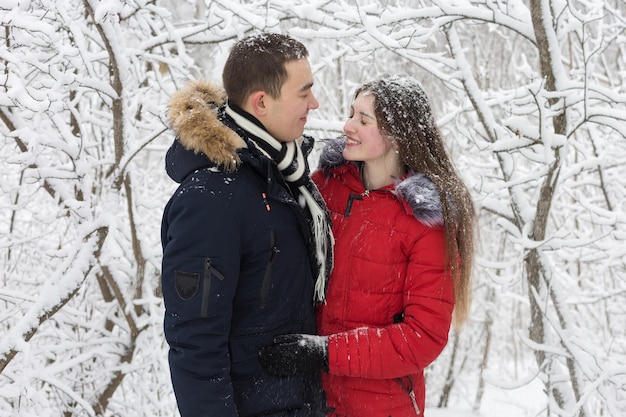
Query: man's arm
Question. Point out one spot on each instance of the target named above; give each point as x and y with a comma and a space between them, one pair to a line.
200, 273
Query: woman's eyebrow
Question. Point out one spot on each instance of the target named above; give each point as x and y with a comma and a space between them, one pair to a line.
362, 113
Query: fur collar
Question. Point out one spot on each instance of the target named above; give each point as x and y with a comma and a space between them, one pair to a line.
416, 190
193, 116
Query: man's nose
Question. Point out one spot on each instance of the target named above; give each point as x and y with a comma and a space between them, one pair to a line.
314, 104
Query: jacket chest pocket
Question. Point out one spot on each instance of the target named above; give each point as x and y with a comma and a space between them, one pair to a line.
267, 276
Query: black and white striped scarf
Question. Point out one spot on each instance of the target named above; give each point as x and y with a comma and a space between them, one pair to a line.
292, 163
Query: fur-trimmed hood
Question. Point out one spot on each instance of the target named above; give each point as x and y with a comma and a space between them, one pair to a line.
416, 190
193, 115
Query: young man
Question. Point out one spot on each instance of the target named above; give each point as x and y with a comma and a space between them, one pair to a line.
246, 237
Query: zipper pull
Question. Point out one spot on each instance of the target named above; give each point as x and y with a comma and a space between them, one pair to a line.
267, 205
275, 251
417, 409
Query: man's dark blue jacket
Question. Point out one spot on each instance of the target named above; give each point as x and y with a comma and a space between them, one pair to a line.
237, 269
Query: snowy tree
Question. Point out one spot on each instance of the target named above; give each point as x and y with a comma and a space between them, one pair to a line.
82, 97
530, 96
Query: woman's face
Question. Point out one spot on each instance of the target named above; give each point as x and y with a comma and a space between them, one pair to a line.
364, 141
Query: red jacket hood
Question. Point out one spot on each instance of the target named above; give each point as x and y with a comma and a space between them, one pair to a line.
416, 191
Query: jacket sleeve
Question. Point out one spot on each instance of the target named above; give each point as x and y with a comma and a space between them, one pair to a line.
411, 344
200, 272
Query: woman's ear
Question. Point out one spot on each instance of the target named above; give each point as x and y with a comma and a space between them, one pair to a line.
394, 144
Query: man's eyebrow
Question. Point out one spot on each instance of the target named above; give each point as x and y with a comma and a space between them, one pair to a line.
307, 86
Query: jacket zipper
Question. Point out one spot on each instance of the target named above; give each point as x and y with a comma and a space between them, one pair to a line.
351, 199
267, 278
409, 390
209, 272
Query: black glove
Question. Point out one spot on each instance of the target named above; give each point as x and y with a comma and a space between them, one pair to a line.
294, 354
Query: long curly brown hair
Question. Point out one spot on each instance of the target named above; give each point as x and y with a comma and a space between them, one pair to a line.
404, 115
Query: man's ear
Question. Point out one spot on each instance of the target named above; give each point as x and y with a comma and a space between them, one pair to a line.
258, 103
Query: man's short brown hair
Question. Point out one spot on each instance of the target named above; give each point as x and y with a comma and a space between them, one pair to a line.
257, 63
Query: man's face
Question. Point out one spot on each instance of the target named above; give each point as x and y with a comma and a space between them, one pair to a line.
287, 115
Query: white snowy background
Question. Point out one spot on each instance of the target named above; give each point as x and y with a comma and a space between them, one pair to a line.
531, 98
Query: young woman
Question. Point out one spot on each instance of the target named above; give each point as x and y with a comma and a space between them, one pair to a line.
403, 222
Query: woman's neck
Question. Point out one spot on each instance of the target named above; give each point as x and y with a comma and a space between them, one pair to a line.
380, 173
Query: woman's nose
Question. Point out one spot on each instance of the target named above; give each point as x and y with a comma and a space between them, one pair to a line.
347, 126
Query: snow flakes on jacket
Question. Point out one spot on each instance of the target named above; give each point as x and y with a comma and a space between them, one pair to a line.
229, 264
390, 299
